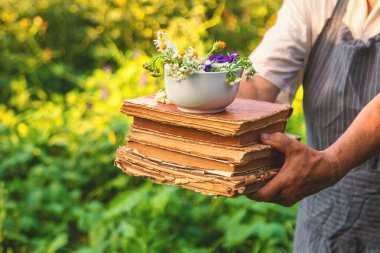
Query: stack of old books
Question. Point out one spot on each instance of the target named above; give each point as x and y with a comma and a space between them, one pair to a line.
215, 154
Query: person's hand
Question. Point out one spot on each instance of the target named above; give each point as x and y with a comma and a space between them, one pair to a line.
306, 171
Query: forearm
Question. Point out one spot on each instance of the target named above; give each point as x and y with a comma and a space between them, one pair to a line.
258, 88
360, 141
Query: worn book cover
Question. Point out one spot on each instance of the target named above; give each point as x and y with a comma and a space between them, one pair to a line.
242, 116
199, 148
188, 160
188, 133
196, 179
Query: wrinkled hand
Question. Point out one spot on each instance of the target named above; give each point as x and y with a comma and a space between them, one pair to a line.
306, 171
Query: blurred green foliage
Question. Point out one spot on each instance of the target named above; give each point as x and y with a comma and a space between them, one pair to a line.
66, 66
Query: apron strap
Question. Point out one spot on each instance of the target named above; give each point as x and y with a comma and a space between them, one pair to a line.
338, 13
327, 35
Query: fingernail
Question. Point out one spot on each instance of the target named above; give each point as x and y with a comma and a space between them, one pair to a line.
265, 136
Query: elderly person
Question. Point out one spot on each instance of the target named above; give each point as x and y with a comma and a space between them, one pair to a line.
332, 47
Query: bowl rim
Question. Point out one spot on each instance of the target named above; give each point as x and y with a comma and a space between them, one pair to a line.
204, 72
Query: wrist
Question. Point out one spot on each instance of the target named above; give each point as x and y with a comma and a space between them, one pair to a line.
335, 165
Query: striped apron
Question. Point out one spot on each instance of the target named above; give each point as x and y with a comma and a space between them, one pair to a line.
341, 77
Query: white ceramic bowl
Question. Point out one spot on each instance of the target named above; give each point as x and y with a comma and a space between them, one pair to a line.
201, 92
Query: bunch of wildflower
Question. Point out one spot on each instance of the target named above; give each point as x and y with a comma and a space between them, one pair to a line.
179, 64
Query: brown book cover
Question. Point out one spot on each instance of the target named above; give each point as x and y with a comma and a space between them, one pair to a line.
234, 155
135, 165
202, 186
242, 140
193, 161
242, 116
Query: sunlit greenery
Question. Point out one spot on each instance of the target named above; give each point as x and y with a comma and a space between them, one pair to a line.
66, 66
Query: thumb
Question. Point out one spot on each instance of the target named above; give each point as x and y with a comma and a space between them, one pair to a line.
279, 141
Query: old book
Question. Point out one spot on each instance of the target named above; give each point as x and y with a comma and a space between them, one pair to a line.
188, 160
133, 164
234, 155
242, 116
242, 140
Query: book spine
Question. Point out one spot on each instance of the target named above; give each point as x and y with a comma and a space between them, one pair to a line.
243, 140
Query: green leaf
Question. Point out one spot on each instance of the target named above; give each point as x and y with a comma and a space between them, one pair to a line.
57, 243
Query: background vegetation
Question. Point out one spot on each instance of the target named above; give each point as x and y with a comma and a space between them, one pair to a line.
65, 67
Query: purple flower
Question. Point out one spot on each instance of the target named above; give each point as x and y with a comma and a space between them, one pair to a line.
207, 67
104, 94
227, 58
235, 55
220, 58
107, 68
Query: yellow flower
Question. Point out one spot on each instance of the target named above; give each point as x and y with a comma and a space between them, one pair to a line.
162, 46
181, 52
38, 21
221, 44
47, 54
25, 22
195, 53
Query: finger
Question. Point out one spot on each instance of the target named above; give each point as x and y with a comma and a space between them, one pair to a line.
271, 191
279, 141
278, 199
